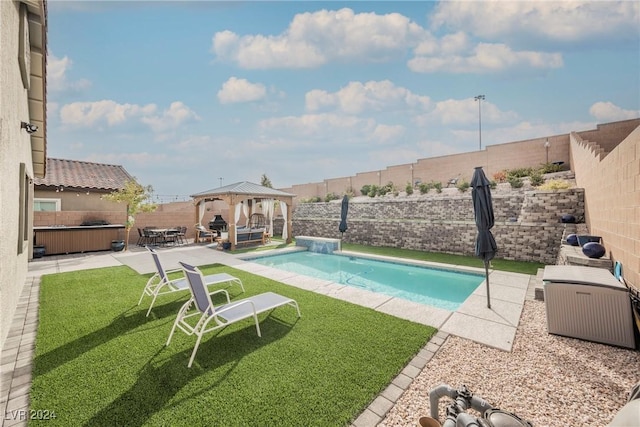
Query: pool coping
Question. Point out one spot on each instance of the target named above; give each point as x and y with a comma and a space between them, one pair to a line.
495, 326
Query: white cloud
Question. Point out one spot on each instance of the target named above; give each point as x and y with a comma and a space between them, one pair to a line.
464, 112
357, 97
319, 126
609, 112
565, 20
57, 69
177, 115
485, 58
110, 113
314, 38
388, 133
236, 90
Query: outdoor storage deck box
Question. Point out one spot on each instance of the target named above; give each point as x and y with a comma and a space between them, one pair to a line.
588, 303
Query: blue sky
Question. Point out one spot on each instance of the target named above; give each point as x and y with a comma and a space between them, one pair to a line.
189, 95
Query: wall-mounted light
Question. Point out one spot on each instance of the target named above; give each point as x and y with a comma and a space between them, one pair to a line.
547, 144
28, 127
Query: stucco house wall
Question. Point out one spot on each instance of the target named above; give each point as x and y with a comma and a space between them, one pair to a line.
15, 150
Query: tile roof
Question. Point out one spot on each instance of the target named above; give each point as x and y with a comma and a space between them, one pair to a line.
78, 174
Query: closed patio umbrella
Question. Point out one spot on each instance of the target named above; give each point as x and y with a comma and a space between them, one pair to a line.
343, 214
483, 212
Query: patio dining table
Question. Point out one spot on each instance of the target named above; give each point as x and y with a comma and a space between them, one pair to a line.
164, 236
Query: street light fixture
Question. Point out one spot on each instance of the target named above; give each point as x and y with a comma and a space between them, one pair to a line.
547, 144
479, 98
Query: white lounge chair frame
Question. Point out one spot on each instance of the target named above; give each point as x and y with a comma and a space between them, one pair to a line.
222, 315
160, 284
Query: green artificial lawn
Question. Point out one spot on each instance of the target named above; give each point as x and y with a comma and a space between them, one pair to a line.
100, 362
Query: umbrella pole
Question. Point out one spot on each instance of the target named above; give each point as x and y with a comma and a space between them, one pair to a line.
486, 272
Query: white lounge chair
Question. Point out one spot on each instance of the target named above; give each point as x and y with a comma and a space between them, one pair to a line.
160, 284
205, 312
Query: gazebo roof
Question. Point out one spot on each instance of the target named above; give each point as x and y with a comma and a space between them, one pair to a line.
242, 188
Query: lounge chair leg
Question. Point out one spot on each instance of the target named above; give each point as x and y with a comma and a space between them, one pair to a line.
255, 317
151, 305
195, 349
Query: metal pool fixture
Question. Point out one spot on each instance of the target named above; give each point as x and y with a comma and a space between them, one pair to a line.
463, 400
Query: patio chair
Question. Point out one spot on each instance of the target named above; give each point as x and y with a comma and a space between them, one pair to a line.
204, 234
160, 284
223, 315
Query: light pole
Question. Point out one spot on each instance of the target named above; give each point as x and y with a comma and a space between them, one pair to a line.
479, 98
547, 144
220, 181
411, 167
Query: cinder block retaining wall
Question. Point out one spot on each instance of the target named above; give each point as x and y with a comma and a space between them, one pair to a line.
527, 228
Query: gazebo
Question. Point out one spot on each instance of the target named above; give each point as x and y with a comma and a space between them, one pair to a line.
242, 197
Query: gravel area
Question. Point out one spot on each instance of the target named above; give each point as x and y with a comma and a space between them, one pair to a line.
547, 380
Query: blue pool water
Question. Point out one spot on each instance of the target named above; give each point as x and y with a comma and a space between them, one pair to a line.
440, 288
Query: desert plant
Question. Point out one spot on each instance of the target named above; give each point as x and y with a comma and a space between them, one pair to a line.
500, 176
365, 189
437, 186
462, 186
515, 181
408, 189
331, 196
555, 184
550, 167
373, 190
493, 184
536, 178
519, 173
424, 187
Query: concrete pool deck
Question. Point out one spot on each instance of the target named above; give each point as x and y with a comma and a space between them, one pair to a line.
495, 327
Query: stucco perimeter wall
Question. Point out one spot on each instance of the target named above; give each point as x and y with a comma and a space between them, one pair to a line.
527, 228
493, 158
612, 196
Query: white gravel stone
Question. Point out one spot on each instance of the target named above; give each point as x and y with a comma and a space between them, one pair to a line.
547, 379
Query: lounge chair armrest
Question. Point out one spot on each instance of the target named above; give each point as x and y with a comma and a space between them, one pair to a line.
223, 291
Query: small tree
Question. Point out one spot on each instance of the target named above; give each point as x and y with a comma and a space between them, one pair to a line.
137, 199
265, 181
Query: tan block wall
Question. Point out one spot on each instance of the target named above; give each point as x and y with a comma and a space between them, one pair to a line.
494, 158
612, 195
527, 227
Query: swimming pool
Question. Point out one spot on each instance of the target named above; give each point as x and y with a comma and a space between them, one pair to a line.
440, 288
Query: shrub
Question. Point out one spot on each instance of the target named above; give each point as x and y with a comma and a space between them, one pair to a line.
424, 187
331, 196
500, 176
550, 168
315, 199
462, 186
365, 189
408, 189
386, 189
555, 184
536, 178
437, 186
493, 184
519, 173
516, 182
373, 191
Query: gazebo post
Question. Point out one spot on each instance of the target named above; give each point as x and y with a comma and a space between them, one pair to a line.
290, 221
